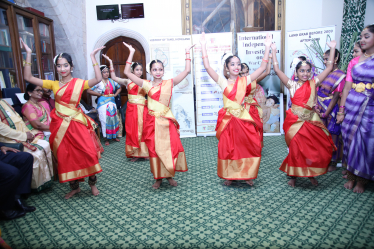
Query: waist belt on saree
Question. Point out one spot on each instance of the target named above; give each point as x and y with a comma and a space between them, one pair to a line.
158, 110
136, 99
68, 113
324, 98
302, 113
361, 87
108, 95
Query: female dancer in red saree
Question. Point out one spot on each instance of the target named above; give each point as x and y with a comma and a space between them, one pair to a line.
135, 113
238, 131
72, 137
161, 129
309, 141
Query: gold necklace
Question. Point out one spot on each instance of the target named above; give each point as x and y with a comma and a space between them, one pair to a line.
153, 83
37, 105
65, 82
367, 55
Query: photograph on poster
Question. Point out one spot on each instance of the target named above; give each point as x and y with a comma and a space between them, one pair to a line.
268, 96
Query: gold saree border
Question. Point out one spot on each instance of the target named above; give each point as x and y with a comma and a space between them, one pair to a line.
302, 171
78, 174
137, 152
239, 169
159, 170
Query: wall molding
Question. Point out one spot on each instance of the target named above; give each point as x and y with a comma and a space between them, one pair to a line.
114, 33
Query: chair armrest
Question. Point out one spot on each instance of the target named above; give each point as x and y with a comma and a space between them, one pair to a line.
17, 146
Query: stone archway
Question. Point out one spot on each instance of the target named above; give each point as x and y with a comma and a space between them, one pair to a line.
114, 33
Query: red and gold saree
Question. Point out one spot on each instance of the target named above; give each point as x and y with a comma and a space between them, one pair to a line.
72, 137
136, 113
309, 141
161, 135
239, 146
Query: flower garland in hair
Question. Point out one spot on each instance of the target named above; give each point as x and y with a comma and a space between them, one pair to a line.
102, 67
224, 58
57, 57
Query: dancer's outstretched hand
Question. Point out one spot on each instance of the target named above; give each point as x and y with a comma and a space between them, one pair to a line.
331, 44
129, 46
273, 47
28, 50
97, 50
202, 39
107, 58
189, 47
268, 40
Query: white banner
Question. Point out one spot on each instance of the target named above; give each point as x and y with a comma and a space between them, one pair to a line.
171, 51
208, 93
250, 51
297, 42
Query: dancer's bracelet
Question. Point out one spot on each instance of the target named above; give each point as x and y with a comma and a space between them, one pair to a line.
340, 113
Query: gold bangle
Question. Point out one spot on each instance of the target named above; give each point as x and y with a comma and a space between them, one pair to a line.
25, 63
328, 62
95, 64
275, 63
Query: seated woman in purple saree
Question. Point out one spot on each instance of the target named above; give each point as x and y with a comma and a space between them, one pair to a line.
358, 123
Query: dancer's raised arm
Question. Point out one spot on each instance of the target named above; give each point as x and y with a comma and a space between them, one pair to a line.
127, 71
177, 79
329, 63
207, 67
280, 74
27, 75
96, 67
267, 71
113, 74
265, 59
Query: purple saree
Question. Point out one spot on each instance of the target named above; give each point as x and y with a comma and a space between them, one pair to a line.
358, 124
324, 97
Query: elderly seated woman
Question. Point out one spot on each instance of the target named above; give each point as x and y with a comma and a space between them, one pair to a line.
36, 113
38, 147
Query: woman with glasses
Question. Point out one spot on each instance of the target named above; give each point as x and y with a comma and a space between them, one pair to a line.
36, 113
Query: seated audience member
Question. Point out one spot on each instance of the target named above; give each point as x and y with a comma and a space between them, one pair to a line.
15, 180
39, 148
36, 115
47, 98
89, 110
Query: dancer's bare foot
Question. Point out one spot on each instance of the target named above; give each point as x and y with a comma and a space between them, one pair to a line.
227, 182
345, 176
360, 188
349, 184
71, 193
172, 182
331, 168
134, 159
250, 182
313, 181
117, 140
106, 142
292, 182
344, 172
94, 190
157, 184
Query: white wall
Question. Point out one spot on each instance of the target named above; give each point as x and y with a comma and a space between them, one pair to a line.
305, 14
161, 18
369, 17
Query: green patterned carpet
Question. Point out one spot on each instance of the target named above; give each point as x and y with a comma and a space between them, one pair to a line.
200, 212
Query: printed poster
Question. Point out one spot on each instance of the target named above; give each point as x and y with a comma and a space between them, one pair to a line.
208, 93
171, 51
